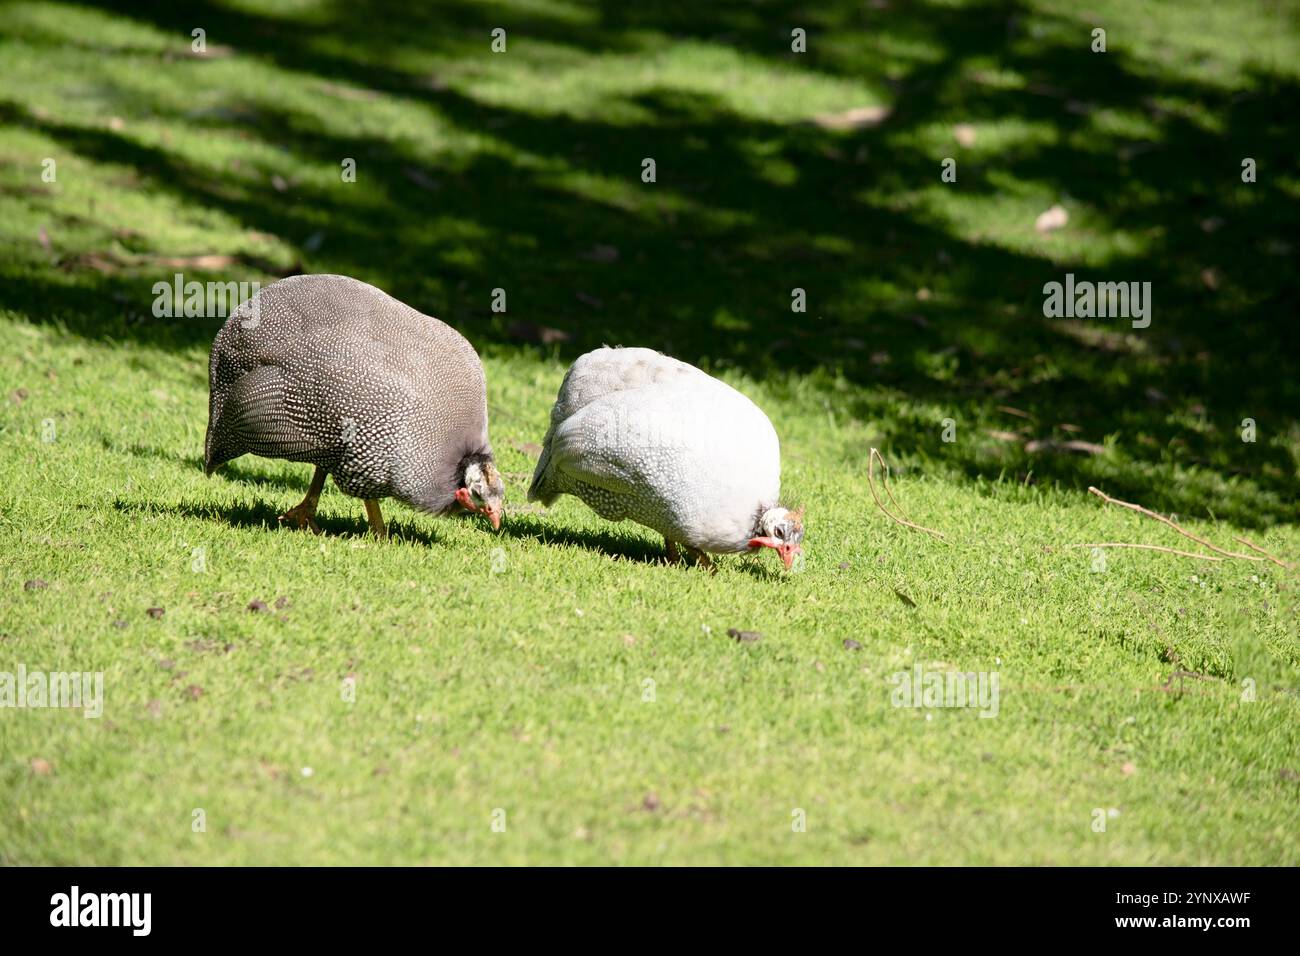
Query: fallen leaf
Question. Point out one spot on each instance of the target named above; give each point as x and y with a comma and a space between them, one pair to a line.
255, 606
1128, 769
859, 117
35, 584
851, 645
1210, 278
904, 598
194, 692
205, 261
1074, 445
43, 238
740, 635
651, 802
41, 767
1054, 218
155, 612
529, 448
964, 134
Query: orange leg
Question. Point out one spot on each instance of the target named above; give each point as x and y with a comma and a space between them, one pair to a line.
303, 514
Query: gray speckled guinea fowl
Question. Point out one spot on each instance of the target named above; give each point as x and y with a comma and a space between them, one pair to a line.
329, 370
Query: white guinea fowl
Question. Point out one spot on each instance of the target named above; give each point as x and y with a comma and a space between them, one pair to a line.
638, 435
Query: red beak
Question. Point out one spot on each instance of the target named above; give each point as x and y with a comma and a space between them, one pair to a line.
467, 502
786, 550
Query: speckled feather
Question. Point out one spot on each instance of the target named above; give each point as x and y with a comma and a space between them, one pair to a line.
329, 370
641, 436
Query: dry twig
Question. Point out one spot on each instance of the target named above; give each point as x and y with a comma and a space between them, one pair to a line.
871, 474
1173, 524
1254, 547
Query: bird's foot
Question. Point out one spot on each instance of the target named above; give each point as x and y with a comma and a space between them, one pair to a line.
376, 519
302, 517
702, 560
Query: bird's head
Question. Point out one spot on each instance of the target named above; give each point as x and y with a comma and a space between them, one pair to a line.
481, 488
780, 530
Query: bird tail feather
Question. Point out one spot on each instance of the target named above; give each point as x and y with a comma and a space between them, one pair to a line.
540, 489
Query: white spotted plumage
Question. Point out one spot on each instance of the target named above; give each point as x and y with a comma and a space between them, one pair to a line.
639, 435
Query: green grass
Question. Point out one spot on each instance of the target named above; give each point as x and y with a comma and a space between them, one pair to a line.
509, 671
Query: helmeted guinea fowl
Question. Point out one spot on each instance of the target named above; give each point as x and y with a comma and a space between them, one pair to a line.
636, 434
329, 370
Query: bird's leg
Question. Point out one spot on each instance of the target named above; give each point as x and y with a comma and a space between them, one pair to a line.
702, 559
303, 514
674, 556
376, 519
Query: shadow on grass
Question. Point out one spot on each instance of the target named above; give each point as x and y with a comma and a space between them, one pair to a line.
264, 516
706, 258
615, 543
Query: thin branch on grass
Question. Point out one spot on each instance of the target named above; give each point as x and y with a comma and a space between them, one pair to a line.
1254, 547
1173, 524
1147, 547
884, 481
871, 483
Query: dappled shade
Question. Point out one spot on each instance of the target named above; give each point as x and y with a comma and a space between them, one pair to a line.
924, 298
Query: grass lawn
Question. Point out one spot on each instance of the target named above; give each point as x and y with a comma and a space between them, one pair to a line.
553, 693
